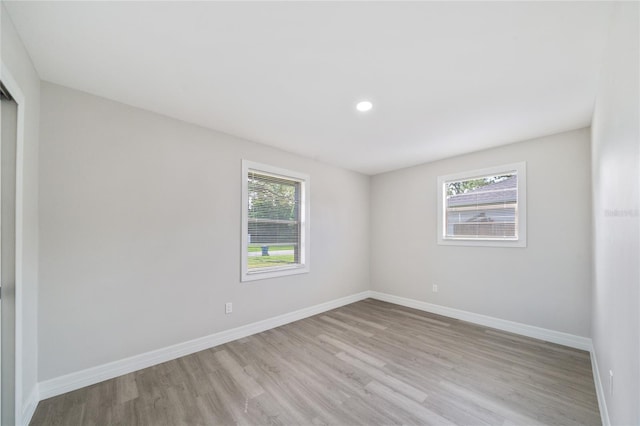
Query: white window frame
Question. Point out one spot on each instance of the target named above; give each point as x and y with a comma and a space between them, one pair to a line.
305, 246
521, 219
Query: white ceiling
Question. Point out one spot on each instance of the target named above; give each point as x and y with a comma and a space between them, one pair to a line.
445, 78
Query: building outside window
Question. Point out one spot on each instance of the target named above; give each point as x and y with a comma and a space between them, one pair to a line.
483, 207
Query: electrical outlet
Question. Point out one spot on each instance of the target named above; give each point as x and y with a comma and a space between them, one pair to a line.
228, 308
435, 288
610, 382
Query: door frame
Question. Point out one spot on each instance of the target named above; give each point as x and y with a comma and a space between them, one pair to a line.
14, 88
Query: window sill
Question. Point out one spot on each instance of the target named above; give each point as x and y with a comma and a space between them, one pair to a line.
274, 273
521, 243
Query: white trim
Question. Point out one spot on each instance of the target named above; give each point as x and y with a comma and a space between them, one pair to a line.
14, 88
90, 376
602, 402
552, 336
30, 406
305, 245
521, 169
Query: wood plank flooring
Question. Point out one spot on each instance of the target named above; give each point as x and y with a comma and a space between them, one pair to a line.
368, 363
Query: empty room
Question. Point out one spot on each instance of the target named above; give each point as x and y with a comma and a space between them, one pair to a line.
320, 213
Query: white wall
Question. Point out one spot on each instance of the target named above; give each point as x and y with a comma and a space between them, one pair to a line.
18, 64
616, 204
140, 233
547, 284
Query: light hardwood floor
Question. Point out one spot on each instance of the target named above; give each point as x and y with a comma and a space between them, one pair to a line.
368, 363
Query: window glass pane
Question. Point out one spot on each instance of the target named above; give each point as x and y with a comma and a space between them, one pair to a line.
482, 208
273, 221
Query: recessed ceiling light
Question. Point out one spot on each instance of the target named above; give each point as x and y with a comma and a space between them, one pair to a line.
364, 106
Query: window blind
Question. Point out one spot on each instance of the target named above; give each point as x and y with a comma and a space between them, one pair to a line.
274, 222
482, 208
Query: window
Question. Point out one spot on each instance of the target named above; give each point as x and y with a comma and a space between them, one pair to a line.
275, 222
483, 207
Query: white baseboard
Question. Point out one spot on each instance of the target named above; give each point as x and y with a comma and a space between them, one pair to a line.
90, 376
29, 407
602, 402
80, 379
553, 336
